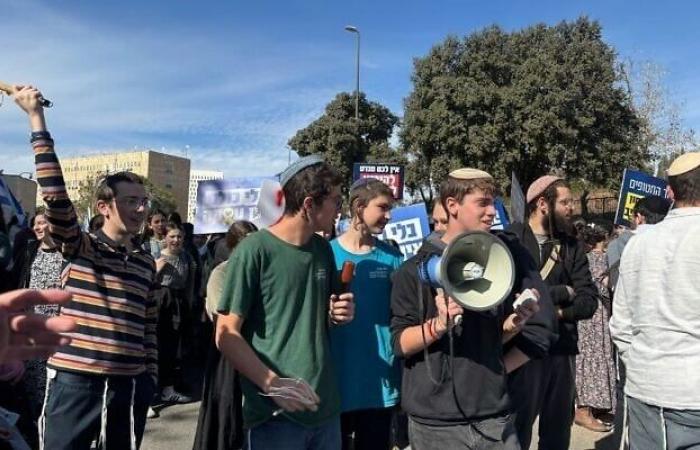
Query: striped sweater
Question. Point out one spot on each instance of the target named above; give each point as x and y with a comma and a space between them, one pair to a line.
112, 287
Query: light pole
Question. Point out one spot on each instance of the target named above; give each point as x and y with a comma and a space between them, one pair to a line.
353, 29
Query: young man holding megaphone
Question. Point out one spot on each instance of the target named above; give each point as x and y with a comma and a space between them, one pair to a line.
459, 328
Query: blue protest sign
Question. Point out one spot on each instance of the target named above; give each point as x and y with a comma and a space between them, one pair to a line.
636, 185
500, 222
408, 227
222, 202
389, 174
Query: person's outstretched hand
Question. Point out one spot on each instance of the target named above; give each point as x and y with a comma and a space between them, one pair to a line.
25, 335
29, 99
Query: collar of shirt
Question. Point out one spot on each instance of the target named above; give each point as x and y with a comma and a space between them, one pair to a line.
104, 239
683, 212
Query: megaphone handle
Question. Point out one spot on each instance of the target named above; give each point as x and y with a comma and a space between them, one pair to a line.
457, 320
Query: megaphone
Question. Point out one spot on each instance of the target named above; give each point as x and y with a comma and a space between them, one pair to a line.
476, 270
270, 204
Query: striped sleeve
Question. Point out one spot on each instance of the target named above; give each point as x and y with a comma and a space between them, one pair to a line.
150, 343
63, 221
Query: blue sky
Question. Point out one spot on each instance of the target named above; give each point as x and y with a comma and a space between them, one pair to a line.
231, 81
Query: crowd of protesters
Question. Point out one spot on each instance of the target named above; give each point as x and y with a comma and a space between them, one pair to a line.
97, 326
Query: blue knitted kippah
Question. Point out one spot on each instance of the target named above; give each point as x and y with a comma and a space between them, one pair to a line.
363, 182
299, 165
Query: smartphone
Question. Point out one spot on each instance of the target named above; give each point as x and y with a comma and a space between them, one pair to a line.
527, 296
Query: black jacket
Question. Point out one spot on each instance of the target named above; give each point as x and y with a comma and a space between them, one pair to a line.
475, 385
571, 270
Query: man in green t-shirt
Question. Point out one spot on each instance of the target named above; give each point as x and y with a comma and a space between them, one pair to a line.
278, 302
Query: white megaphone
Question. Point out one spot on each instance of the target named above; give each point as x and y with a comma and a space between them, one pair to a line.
270, 204
476, 270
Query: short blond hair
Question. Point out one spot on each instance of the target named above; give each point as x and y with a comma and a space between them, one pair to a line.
458, 188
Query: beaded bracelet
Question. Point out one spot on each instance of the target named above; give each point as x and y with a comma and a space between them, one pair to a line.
36, 135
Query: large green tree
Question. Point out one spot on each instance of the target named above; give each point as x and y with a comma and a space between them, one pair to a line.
342, 140
542, 99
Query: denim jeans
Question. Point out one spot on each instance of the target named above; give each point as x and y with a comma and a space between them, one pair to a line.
282, 434
497, 433
74, 406
655, 428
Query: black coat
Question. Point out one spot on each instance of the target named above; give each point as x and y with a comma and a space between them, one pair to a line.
570, 270
220, 421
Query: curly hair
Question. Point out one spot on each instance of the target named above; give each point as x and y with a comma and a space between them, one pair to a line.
316, 181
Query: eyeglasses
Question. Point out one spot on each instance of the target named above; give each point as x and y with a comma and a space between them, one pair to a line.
134, 202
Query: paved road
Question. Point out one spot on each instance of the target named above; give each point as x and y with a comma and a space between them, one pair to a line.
174, 430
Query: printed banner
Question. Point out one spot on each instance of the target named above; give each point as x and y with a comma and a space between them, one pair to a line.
390, 174
408, 227
500, 222
636, 185
222, 202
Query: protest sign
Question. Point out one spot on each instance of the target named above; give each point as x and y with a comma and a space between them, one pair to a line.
500, 222
517, 200
222, 202
636, 185
408, 227
390, 174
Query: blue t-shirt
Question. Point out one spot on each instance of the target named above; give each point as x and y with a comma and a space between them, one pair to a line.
369, 376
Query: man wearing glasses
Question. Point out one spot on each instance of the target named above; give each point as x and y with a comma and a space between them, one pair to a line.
100, 385
546, 387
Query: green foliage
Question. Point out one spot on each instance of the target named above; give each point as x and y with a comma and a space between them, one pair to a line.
533, 101
342, 140
161, 199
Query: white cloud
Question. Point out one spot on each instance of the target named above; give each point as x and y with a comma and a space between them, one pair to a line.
119, 88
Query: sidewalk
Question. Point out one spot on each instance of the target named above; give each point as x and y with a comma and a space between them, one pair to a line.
174, 430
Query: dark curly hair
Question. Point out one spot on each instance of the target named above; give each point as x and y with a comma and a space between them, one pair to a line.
595, 232
316, 181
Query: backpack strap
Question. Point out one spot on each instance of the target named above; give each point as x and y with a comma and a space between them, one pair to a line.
551, 261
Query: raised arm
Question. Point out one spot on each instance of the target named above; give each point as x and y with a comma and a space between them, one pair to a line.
63, 221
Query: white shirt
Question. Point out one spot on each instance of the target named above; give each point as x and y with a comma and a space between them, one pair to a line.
656, 312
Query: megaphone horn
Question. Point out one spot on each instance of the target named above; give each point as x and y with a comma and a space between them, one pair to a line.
476, 270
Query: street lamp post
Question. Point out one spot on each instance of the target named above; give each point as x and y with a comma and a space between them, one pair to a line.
353, 29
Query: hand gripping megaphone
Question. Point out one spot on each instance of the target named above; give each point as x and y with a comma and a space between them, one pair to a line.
476, 270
